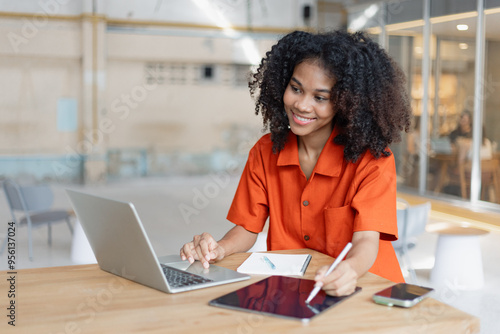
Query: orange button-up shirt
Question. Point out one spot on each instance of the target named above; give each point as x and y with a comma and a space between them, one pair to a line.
321, 213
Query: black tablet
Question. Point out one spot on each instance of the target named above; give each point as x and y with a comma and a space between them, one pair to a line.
280, 296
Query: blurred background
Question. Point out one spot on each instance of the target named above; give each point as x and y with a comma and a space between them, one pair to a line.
101, 90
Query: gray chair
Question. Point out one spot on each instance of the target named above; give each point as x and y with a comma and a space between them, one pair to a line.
412, 220
35, 204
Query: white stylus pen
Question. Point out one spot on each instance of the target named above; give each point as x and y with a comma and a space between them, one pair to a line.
335, 263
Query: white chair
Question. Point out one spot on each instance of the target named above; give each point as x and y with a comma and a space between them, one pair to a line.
412, 220
35, 202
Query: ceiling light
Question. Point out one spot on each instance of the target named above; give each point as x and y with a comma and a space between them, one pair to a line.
462, 27
463, 46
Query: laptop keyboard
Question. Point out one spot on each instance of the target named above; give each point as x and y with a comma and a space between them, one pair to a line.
178, 278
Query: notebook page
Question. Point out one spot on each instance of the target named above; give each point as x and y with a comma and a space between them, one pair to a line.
285, 264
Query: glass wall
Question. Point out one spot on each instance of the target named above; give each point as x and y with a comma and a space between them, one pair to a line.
453, 84
405, 44
490, 168
451, 113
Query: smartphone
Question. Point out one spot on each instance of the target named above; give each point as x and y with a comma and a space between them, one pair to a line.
402, 294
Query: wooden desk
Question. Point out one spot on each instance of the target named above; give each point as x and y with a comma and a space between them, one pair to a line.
85, 299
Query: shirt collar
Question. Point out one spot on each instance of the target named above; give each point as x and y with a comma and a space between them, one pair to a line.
329, 162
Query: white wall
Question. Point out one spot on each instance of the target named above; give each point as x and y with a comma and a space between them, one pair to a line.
36, 69
190, 116
47, 53
43, 61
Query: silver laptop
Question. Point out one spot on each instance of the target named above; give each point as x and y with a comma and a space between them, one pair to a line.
121, 246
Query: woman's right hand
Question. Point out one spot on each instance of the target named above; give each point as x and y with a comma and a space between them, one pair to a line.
203, 248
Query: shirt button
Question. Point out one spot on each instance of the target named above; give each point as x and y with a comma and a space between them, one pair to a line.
306, 237
306, 203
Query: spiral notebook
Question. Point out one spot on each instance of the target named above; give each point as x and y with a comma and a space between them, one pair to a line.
275, 264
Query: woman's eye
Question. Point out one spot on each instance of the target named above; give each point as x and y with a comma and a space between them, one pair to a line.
321, 98
295, 89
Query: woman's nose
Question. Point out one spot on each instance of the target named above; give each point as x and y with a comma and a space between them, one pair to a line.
303, 104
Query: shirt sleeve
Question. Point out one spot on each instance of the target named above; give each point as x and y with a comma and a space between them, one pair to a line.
375, 199
250, 206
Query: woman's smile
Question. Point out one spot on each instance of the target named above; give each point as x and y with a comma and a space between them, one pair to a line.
302, 120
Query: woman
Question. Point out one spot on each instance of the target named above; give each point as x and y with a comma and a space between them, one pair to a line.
463, 128
324, 176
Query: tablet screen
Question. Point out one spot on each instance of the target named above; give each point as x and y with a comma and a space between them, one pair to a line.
279, 296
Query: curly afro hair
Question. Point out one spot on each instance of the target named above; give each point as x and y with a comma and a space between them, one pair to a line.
369, 95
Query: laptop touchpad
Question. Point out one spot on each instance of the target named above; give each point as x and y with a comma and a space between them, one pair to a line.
174, 261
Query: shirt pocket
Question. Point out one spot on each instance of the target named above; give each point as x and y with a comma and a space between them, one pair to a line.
339, 224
